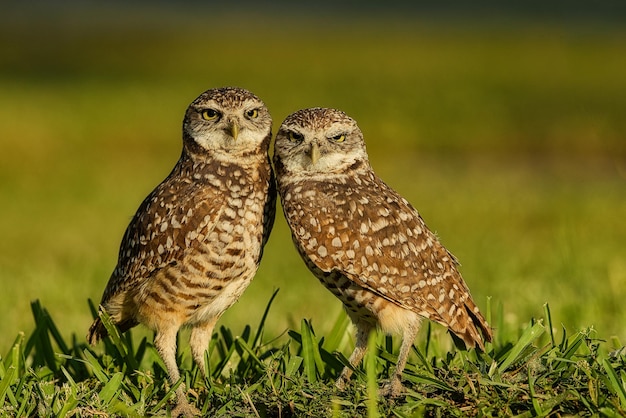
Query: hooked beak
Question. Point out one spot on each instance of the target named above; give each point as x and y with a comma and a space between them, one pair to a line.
233, 129
314, 153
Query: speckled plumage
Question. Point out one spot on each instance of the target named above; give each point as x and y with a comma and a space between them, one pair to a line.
197, 239
365, 242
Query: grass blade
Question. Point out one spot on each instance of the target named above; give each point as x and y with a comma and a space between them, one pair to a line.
111, 388
17, 356
225, 348
5, 383
293, 366
259, 332
427, 341
431, 381
548, 315
95, 366
527, 338
170, 393
308, 351
115, 337
616, 385
41, 339
337, 332
244, 347
372, 381
533, 395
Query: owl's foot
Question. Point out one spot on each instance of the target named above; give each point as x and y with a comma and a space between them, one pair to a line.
184, 409
344, 378
341, 383
393, 389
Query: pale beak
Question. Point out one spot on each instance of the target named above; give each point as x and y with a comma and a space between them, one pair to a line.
234, 130
315, 153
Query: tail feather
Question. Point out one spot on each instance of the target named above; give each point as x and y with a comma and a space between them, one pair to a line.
98, 331
476, 331
485, 329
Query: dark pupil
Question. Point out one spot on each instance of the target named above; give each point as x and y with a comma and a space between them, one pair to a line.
211, 112
250, 112
297, 136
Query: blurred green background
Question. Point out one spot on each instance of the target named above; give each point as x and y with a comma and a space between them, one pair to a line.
506, 128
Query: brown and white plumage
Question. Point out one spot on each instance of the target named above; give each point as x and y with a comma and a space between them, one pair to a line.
196, 241
365, 242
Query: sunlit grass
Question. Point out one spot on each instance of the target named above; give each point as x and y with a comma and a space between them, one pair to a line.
538, 372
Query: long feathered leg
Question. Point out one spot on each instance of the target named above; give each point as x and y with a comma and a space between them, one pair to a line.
199, 342
395, 388
165, 343
363, 330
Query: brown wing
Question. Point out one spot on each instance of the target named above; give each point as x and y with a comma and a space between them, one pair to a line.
377, 239
175, 215
178, 213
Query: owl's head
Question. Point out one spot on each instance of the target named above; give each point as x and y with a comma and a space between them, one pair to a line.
319, 141
227, 121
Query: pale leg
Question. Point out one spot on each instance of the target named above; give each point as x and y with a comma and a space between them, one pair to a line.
200, 339
165, 343
395, 388
363, 330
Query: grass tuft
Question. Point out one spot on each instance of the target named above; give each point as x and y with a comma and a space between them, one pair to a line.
533, 374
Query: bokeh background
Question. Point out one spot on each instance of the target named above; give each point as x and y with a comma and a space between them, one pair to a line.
504, 125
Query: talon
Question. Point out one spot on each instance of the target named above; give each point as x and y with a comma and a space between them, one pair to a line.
341, 383
184, 409
393, 389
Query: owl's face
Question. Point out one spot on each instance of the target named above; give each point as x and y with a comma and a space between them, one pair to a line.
319, 141
227, 120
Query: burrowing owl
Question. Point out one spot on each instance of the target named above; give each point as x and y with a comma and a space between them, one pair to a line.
196, 241
365, 242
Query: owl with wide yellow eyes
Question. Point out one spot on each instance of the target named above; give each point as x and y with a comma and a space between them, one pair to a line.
196, 241
364, 241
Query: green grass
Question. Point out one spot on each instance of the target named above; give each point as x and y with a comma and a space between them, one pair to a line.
539, 372
508, 139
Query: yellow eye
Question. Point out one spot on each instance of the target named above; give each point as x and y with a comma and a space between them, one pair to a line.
339, 138
252, 114
295, 137
210, 114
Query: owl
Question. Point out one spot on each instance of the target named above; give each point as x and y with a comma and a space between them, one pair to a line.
364, 241
196, 241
